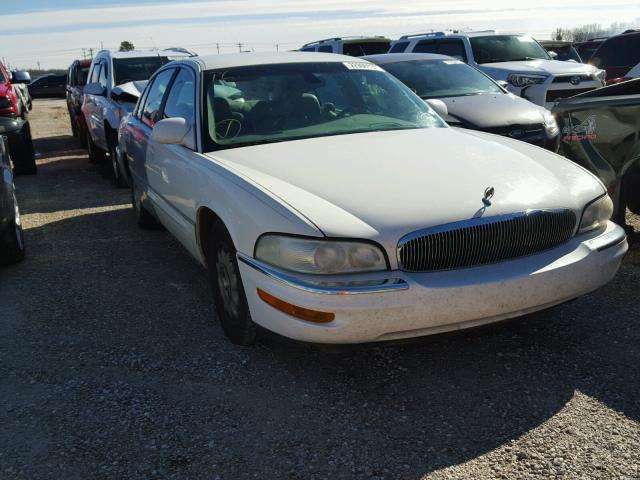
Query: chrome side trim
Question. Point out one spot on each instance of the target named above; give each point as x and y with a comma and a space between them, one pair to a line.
326, 288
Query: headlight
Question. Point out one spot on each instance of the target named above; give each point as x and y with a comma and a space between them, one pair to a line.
596, 214
317, 256
520, 80
550, 124
601, 75
5, 102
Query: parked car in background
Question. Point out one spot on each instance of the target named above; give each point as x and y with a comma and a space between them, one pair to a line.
12, 104
17, 133
601, 132
20, 81
49, 86
563, 50
11, 236
516, 59
471, 99
620, 57
330, 204
588, 48
115, 82
352, 46
76, 80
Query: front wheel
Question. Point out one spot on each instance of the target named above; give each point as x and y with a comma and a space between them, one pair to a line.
118, 178
228, 292
145, 220
23, 153
12, 240
96, 155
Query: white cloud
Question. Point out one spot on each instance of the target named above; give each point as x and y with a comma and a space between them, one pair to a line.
55, 37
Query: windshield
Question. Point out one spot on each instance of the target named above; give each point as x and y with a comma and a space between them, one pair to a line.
442, 78
506, 48
274, 103
136, 69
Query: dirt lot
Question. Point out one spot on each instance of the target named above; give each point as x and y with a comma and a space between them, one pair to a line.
112, 366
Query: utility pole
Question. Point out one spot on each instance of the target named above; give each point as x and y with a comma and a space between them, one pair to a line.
84, 53
91, 53
277, 47
39, 65
218, 48
101, 45
240, 47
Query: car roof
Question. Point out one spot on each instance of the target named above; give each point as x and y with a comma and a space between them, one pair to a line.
230, 60
147, 53
383, 58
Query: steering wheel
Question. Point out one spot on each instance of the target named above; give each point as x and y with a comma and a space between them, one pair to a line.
228, 128
344, 113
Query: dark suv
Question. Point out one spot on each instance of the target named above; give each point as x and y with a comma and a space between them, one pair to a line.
76, 80
619, 55
49, 86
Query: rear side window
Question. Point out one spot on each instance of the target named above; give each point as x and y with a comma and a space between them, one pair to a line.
153, 103
622, 51
325, 49
426, 46
365, 48
308, 49
452, 48
399, 47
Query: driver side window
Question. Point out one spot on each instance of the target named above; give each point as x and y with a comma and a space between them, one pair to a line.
181, 100
153, 102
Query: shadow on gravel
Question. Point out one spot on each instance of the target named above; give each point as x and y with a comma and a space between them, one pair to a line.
55, 146
123, 341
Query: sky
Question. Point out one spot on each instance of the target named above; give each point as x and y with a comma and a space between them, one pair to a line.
52, 33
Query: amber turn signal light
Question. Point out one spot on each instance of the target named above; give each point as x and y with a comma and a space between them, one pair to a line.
295, 311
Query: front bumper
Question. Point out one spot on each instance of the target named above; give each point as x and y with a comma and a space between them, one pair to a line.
546, 94
394, 305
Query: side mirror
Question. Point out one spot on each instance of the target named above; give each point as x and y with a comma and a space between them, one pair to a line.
553, 55
20, 76
503, 83
439, 106
170, 131
95, 89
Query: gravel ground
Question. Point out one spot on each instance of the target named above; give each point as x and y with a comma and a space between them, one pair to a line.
112, 366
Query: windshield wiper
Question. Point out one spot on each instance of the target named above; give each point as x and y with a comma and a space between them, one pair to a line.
524, 59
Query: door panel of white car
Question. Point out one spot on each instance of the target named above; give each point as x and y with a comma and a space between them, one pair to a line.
173, 176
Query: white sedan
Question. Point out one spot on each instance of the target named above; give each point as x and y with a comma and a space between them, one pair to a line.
331, 205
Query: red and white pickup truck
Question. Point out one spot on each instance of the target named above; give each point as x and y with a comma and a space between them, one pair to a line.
11, 104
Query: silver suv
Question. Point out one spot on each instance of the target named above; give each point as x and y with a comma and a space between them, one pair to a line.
352, 46
518, 61
114, 84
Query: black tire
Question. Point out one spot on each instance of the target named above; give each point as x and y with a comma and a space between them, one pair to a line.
74, 127
118, 178
23, 154
144, 218
96, 155
631, 191
228, 291
12, 240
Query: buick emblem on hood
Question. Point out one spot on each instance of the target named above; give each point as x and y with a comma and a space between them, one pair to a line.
488, 195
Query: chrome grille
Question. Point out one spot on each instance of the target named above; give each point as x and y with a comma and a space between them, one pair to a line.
485, 240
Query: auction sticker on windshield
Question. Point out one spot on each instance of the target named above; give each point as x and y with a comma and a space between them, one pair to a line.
362, 66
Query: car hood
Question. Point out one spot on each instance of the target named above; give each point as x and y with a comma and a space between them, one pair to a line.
383, 185
494, 110
555, 67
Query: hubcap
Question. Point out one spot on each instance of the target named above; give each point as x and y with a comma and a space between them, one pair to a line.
228, 283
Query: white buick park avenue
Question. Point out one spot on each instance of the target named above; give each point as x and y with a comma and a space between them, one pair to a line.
330, 204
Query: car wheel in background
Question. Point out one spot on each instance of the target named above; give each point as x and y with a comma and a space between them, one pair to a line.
96, 155
228, 292
118, 178
74, 126
23, 153
144, 219
12, 241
